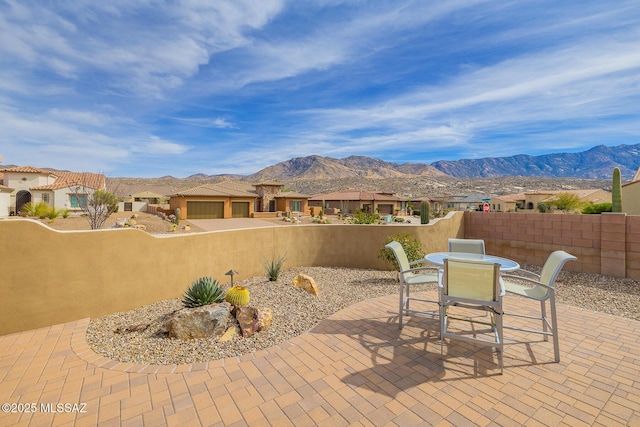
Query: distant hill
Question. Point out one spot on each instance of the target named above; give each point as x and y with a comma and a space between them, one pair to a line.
318, 167
597, 162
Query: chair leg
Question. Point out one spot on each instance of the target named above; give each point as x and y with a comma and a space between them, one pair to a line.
443, 327
543, 315
498, 320
401, 306
554, 328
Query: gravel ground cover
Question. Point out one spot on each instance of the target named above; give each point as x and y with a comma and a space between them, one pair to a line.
296, 311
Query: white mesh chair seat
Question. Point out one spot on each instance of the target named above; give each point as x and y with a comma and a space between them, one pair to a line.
410, 275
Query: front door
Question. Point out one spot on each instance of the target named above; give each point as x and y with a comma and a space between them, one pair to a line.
22, 198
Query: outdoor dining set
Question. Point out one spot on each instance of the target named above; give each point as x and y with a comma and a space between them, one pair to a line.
469, 279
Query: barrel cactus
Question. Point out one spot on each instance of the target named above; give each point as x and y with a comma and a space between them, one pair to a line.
616, 191
424, 213
238, 296
203, 291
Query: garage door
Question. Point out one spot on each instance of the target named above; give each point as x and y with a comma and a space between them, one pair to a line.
205, 210
385, 209
240, 209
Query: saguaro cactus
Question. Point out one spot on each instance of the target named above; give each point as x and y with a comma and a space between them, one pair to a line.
616, 191
424, 213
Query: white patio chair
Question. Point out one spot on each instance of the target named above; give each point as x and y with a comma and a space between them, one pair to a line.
472, 246
540, 287
410, 275
471, 285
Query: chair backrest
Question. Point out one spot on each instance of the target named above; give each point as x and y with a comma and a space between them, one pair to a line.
471, 246
400, 254
471, 280
553, 265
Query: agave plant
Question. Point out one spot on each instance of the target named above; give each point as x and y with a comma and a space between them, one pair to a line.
203, 291
272, 268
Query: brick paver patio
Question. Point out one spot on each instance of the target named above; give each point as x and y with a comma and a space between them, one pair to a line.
354, 368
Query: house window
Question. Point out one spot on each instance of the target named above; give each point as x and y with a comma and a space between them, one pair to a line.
45, 197
78, 200
295, 206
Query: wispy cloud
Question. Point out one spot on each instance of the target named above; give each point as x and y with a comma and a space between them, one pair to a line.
234, 86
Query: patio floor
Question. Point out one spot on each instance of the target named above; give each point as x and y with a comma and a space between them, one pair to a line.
354, 368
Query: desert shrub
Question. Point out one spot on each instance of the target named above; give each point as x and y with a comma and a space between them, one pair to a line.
38, 210
52, 213
410, 244
203, 291
273, 267
362, 217
543, 207
597, 208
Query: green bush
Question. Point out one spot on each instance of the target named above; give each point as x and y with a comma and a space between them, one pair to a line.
203, 291
272, 268
410, 244
597, 208
38, 210
543, 207
363, 217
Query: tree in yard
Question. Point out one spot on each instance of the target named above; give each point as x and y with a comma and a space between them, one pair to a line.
566, 202
96, 205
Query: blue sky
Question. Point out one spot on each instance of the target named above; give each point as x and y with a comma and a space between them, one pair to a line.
153, 88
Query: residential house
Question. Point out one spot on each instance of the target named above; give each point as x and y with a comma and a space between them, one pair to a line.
507, 202
458, 202
62, 190
237, 200
530, 200
349, 201
631, 195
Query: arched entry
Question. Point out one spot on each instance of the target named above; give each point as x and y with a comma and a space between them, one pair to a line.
22, 198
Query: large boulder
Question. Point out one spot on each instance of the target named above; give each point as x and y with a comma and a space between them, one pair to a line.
200, 322
307, 283
252, 319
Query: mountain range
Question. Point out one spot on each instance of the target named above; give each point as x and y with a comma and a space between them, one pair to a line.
595, 163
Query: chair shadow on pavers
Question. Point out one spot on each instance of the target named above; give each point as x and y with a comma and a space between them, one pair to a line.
387, 360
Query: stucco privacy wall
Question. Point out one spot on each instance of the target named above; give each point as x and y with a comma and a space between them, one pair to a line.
605, 244
49, 277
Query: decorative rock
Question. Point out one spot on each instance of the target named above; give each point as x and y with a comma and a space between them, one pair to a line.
231, 333
252, 319
306, 283
199, 322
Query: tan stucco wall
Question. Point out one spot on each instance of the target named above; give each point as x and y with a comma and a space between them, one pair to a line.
49, 277
631, 198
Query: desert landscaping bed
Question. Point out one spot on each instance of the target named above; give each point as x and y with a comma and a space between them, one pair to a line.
296, 311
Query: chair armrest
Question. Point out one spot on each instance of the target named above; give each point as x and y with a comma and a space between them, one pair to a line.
412, 270
524, 273
526, 280
419, 261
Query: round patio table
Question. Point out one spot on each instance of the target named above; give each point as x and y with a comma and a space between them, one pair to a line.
439, 257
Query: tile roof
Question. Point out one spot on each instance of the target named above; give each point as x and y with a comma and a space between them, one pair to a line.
215, 190
28, 169
70, 179
357, 195
291, 195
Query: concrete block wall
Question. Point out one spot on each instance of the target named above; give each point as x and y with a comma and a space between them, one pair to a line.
604, 244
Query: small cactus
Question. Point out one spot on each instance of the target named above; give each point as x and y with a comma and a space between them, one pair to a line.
424, 213
238, 296
616, 191
177, 213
